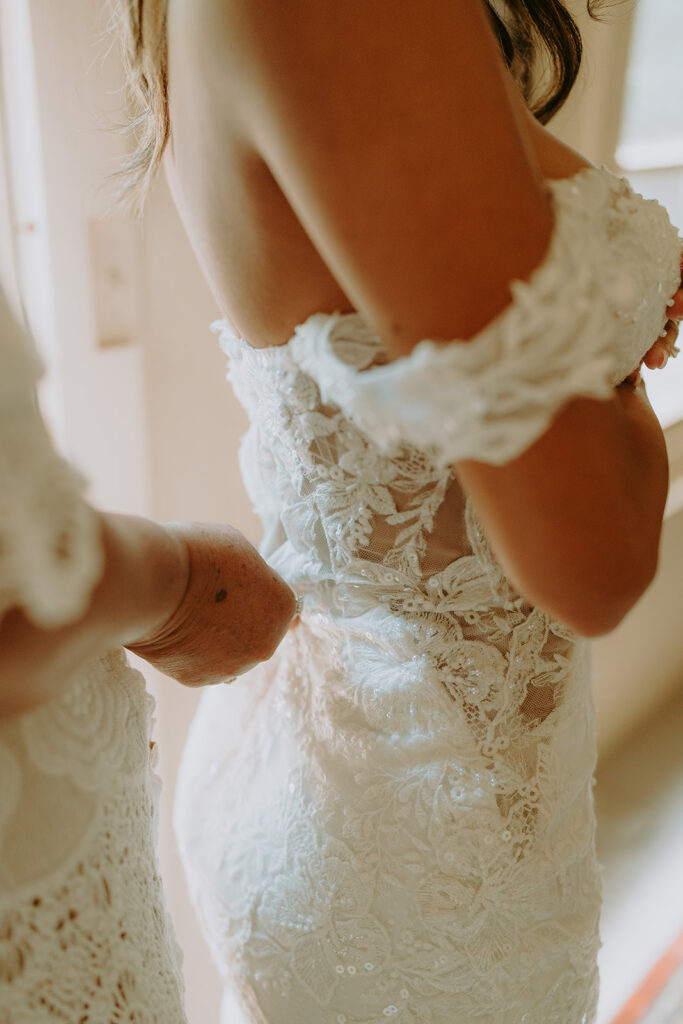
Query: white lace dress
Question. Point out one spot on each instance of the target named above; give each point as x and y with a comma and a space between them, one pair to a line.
84, 933
393, 818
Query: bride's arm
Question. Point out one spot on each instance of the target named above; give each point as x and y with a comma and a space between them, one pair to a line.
398, 139
576, 519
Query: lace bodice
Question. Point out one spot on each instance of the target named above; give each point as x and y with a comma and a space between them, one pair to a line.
393, 818
347, 456
84, 933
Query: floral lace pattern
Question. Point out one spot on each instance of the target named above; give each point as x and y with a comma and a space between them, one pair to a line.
393, 818
84, 932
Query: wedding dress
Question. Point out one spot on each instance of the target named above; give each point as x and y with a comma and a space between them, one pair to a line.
84, 933
392, 819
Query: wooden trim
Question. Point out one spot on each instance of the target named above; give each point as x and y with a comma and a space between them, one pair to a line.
642, 999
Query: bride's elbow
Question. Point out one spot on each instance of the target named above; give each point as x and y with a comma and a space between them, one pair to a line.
594, 622
593, 603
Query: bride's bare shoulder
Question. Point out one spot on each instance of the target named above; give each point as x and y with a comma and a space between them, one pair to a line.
239, 39
243, 38
391, 130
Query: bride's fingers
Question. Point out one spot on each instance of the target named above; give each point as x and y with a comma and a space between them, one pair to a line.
676, 308
671, 337
657, 356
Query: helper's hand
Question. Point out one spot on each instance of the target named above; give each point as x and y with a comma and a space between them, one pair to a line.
233, 614
144, 576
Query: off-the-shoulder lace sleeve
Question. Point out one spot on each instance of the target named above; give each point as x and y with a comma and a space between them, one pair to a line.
578, 327
50, 552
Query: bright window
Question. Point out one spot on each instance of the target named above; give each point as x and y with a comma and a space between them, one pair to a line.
652, 122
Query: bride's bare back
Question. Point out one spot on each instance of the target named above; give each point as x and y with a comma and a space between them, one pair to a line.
265, 271
300, 187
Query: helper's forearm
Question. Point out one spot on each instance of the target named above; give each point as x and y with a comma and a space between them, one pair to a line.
144, 577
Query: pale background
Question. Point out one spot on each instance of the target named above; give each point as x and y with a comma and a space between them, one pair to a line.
136, 392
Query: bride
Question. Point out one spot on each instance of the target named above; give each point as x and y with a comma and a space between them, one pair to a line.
393, 817
435, 315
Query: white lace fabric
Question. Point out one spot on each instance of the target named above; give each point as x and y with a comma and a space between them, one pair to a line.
578, 327
393, 818
84, 932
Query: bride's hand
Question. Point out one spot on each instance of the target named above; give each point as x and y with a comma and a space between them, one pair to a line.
233, 614
664, 348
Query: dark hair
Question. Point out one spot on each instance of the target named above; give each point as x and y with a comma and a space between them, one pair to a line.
527, 30
539, 39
